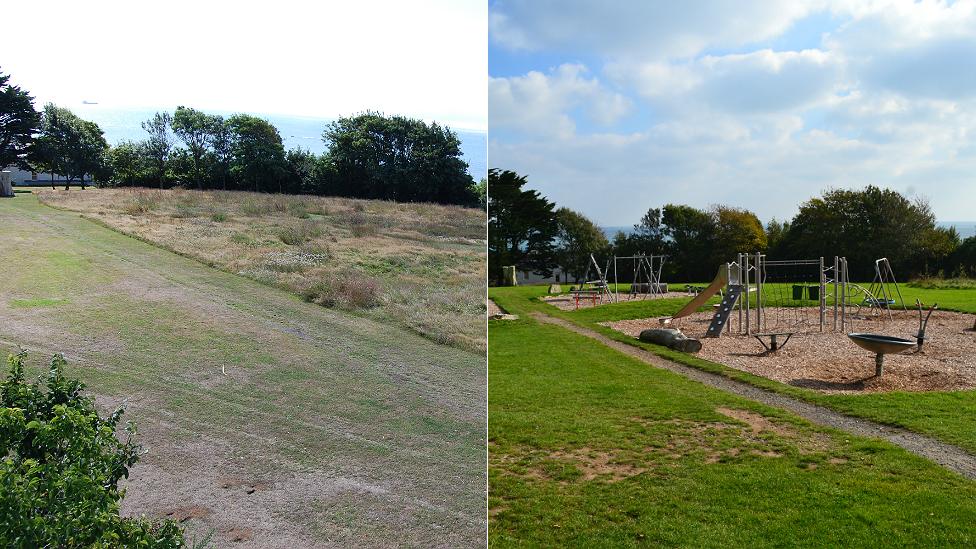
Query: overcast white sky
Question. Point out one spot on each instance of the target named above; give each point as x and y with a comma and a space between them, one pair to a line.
426, 59
614, 107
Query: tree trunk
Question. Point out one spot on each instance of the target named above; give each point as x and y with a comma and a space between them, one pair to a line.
672, 339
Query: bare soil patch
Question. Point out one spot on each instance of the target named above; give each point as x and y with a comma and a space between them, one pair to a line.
832, 363
594, 463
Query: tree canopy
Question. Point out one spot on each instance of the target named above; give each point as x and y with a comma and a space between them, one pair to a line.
576, 239
396, 158
522, 226
68, 145
18, 123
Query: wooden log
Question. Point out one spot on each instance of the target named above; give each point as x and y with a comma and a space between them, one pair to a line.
672, 339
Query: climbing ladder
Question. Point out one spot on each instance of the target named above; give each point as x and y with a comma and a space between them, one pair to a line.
724, 310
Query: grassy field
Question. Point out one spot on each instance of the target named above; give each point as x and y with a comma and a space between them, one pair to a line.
421, 266
265, 417
589, 447
944, 415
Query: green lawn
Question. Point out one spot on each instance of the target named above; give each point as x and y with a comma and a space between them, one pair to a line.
344, 421
589, 447
947, 416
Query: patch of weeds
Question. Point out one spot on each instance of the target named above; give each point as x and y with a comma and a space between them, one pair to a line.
218, 217
345, 290
253, 207
144, 202
299, 234
241, 238
184, 212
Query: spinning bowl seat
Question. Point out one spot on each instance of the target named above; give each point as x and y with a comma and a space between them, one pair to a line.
881, 344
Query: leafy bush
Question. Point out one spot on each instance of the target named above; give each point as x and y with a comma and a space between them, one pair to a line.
61, 467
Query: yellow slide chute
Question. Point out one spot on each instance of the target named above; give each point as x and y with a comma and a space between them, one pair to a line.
718, 284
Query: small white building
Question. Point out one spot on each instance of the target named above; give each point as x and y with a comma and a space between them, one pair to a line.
27, 178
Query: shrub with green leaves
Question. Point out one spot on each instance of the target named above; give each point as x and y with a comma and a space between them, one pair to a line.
60, 465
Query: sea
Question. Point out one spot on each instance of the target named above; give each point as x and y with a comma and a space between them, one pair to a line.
965, 229
121, 124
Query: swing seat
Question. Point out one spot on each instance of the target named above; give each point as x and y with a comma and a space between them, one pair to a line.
774, 345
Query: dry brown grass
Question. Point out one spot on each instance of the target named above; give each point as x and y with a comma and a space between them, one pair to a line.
419, 265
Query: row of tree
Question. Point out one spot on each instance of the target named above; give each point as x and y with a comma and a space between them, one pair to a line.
527, 230
368, 155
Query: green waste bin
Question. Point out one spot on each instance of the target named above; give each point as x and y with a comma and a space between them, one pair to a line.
797, 292
814, 292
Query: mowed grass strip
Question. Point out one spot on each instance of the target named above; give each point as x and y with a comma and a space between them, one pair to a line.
591, 448
947, 416
225, 376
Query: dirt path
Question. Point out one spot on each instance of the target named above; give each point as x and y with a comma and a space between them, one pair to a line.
947, 455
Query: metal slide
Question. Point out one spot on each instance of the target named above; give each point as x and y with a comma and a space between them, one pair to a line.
721, 280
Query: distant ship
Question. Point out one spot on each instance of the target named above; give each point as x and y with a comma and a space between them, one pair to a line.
87, 102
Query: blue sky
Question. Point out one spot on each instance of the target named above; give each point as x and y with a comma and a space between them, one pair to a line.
611, 108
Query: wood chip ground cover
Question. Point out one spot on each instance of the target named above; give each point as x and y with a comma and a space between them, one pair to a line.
831, 362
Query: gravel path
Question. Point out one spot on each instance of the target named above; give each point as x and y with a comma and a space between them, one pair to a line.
947, 455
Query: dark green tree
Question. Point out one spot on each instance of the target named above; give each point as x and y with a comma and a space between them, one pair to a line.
522, 226
68, 145
222, 144
18, 124
129, 164
302, 166
691, 236
576, 239
864, 225
259, 162
775, 233
193, 128
61, 468
159, 145
396, 158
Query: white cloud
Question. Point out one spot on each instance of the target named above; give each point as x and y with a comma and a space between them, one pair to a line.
887, 98
640, 29
540, 104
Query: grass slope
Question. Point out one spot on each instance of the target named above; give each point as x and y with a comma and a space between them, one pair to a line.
944, 415
591, 448
421, 266
353, 430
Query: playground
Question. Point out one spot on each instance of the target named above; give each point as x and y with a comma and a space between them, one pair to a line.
802, 322
830, 362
